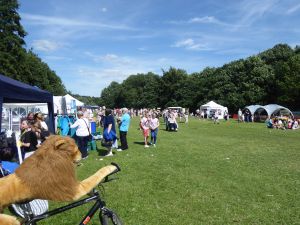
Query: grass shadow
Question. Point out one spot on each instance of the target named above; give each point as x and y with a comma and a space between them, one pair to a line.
139, 142
102, 151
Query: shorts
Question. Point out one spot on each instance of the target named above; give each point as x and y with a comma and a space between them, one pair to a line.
146, 132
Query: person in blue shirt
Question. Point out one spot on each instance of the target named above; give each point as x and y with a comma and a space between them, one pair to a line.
123, 128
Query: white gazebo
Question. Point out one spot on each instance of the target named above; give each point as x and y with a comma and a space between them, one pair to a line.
212, 107
261, 113
65, 104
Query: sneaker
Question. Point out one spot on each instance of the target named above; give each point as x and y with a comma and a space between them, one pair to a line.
119, 150
146, 146
109, 154
85, 157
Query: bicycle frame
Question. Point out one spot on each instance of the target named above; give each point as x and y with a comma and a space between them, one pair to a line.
99, 205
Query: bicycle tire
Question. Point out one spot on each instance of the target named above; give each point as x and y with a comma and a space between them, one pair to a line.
112, 219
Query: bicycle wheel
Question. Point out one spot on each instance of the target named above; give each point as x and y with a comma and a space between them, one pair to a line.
110, 219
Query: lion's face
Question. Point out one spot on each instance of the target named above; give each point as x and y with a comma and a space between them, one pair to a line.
64, 145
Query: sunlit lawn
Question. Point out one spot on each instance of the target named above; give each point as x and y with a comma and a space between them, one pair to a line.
227, 173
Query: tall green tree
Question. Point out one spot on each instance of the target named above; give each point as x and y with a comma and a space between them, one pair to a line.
12, 41
289, 85
141, 90
37, 73
15, 61
112, 96
172, 82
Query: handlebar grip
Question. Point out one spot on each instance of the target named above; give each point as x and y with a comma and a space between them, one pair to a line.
117, 166
116, 170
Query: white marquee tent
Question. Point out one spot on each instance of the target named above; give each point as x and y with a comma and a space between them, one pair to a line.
65, 104
260, 112
212, 107
252, 108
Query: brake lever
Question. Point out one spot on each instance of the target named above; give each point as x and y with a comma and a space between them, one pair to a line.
108, 179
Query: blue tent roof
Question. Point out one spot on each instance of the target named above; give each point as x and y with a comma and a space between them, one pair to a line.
13, 91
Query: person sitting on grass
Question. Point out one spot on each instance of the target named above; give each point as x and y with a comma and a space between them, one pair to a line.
172, 123
295, 125
270, 123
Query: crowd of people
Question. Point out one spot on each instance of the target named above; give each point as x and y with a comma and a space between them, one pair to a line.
282, 123
115, 124
149, 124
34, 131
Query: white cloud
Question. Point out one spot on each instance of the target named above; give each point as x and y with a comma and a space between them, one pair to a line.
206, 19
142, 49
104, 9
57, 58
45, 45
251, 11
190, 44
91, 80
200, 20
293, 9
109, 58
66, 22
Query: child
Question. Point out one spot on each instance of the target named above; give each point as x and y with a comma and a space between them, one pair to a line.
145, 125
154, 124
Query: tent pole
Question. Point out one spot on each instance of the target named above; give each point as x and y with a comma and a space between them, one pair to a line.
1, 104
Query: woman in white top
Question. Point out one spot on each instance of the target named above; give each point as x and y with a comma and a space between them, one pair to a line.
82, 133
154, 124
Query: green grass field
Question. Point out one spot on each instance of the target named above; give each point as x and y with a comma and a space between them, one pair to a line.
227, 173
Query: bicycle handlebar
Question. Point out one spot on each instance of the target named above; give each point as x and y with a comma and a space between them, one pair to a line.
115, 170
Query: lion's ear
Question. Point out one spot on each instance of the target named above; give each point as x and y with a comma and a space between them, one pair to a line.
59, 143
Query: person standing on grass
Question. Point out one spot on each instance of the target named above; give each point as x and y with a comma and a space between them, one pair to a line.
145, 125
154, 124
216, 117
240, 116
123, 127
109, 131
82, 133
186, 117
28, 139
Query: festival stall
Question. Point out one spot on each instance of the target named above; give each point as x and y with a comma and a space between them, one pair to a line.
211, 107
13, 91
66, 104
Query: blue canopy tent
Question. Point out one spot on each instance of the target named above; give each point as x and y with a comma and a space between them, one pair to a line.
13, 91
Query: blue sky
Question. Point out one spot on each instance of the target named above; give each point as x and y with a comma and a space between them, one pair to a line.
91, 43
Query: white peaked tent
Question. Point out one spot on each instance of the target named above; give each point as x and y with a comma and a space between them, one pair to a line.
69, 98
65, 104
212, 107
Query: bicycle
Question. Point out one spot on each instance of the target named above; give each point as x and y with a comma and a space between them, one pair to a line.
106, 215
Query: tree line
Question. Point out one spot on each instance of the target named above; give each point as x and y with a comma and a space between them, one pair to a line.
272, 76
